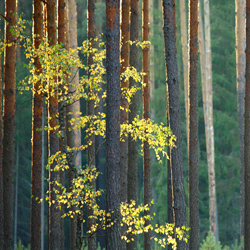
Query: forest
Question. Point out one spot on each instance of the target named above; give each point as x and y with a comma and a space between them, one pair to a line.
124, 124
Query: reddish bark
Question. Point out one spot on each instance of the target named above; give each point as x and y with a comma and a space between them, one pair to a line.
113, 232
193, 127
36, 178
125, 37
176, 193
146, 116
9, 123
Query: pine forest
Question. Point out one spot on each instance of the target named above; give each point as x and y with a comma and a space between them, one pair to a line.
125, 124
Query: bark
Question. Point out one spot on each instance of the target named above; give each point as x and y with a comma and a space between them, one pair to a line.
247, 132
184, 43
91, 112
73, 135
152, 58
210, 128
36, 178
240, 34
146, 116
16, 197
125, 37
1, 160
193, 127
113, 232
54, 212
9, 123
62, 39
132, 144
176, 207
100, 154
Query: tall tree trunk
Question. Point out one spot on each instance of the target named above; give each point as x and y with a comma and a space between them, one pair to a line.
210, 128
36, 178
9, 123
132, 144
1, 160
240, 13
193, 127
247, 132
113, 232
177, 207
91, 112
62, 39
100, 154
54, 212
16, 197
125, 37
152, 58
184, 43
43, 176
73, 135
146, 116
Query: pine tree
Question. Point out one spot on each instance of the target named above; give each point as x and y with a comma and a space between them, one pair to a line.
210, 128
54, 212
62, 40
36, 178
113, 232
176, 207
9, 122
146, 116
73, 135
125, 37
132, 144
184, 43
193, 127
240, 34
91, 112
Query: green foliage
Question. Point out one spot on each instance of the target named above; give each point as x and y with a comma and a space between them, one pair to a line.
19, 246
209, 244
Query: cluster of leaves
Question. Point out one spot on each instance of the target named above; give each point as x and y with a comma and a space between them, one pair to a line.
55, 79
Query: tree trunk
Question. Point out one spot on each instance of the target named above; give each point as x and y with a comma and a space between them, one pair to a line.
146, 116
73, 135
43, 176
177, 207
36, 178
193, 127
62, 39
152, 58
9, 123
125, 37
16, 197
184, 43
247, 132
100, 154
1, 160
91, 112
54, 212
113, 232
240, 13
210, 128
132, 144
